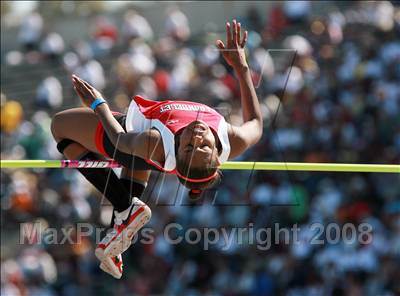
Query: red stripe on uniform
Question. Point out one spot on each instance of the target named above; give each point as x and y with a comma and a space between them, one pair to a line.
98, 139
99, 135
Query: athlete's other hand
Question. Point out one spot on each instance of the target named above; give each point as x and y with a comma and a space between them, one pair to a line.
85, 91
233, 50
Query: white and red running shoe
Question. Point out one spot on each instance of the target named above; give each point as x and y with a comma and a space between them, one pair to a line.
126, 225
112, 266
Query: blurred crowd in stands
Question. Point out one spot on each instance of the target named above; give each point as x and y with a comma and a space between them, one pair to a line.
330, 92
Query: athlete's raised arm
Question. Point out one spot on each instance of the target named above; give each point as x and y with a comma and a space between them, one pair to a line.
249, 133
146, 145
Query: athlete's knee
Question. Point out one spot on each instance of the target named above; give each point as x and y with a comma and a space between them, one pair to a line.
57, 126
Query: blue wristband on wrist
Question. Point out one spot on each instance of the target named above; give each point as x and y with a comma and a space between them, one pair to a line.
96, 103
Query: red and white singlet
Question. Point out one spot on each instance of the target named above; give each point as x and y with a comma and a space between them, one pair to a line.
169, 117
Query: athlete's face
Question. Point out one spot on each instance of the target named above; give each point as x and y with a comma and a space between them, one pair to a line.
197, 144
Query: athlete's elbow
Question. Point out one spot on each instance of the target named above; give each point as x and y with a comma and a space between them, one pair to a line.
255, 138
119, 142
254, 131
258, 130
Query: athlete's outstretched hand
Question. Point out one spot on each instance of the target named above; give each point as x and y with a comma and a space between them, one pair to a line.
233, 50
85, 91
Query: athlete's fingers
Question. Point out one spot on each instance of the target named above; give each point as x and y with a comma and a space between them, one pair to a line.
76, 90
85, 87
238, 33
75, 80
244, 39
76, 84
79, 92
228, 34
93, 91
234, 37
81, 87
78, 79
84, 83
82, 93
220, 44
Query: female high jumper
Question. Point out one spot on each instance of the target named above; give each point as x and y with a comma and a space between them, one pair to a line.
188, 139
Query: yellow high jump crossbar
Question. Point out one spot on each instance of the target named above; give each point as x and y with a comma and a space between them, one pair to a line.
230, 165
